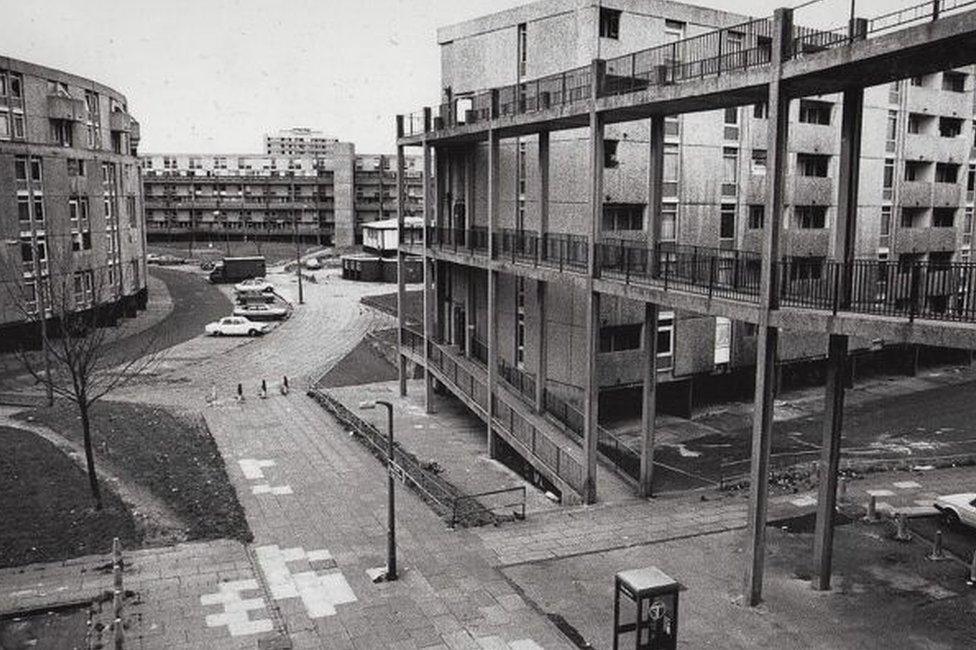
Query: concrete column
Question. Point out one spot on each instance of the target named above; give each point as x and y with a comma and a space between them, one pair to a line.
428, 282
543, 184
762, 419
591, 398
401, 274
655, 185
542, 347
837, 371
591, 386
493, 195
649, 399
469, 319
833, 421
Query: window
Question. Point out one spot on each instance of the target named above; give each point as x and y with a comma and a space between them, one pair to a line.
4, 125
614, 338
810, 217
522, 49
609, 23
760, 111
946, 172
916, 123
76, 167
17, 122
672, 126
950, 127
726, 226
914, 170
669, 221
759, 162
894, 92
610, 153
813, 112
888, 180
806, 268
16, 85
61, 132
891, 131
670, 171
665, 341
913, 217
520, 322
35, 169
809, 164
918, 82
757, 212
674, 30
885, 228
732, 115
3, 83
20, 168
943, 217
730, 170
23, 212
954, 82
623, 216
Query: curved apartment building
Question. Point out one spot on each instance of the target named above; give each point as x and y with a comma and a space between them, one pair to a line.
70, 198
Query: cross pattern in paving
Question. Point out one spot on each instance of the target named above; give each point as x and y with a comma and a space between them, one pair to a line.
319, 592
236, 615
253, 469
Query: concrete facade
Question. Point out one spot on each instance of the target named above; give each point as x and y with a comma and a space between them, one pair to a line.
70, 195
325, 196
713, 189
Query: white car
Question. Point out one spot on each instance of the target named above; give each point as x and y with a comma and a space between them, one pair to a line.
958, 508
260, 312
254, 285
313, 263
236, 326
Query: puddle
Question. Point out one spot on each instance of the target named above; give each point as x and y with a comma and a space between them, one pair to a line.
805, 523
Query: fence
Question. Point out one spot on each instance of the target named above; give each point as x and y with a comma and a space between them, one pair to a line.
522, 381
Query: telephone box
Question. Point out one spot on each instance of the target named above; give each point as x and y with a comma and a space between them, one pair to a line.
655, 597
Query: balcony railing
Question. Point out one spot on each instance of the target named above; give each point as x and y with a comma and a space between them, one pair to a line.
522, 381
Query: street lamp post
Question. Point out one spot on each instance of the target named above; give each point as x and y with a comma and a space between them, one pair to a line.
391, 567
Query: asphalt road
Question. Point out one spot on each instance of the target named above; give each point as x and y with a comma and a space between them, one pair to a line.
196, 302
933, 422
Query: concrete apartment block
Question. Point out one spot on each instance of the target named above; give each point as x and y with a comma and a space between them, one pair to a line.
70, 193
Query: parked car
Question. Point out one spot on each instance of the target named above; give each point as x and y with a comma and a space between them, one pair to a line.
313, 263
236, 326
958, 508
258, 285
260, 311
164, 260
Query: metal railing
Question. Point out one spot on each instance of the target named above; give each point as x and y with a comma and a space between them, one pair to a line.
922, 12
806, 40
934, 290
728, 49
479, 351
472, 506
522, 381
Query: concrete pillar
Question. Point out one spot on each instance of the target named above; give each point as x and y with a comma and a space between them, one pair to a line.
591, 386
493, 196
543, 184
428, 282
829, 464
542, 347
837, 371
401, 276
655, 185
768, 338
469, 319
649, 406
591, 398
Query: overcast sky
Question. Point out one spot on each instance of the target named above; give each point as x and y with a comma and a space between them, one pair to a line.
215, 75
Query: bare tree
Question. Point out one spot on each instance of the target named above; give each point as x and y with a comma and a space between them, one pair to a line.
81, 358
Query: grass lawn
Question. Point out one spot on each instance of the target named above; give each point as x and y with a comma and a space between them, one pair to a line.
47, 508
175, 460
273, 252
387, 302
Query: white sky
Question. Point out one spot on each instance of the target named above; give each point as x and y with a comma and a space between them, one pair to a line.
215, 75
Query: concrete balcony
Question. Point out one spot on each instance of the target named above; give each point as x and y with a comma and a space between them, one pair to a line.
755, 189
921, 240
813, 190
60, 107
813, 138
924, 147
916, 193
120, 121
932, 101
946, 195
807, 242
